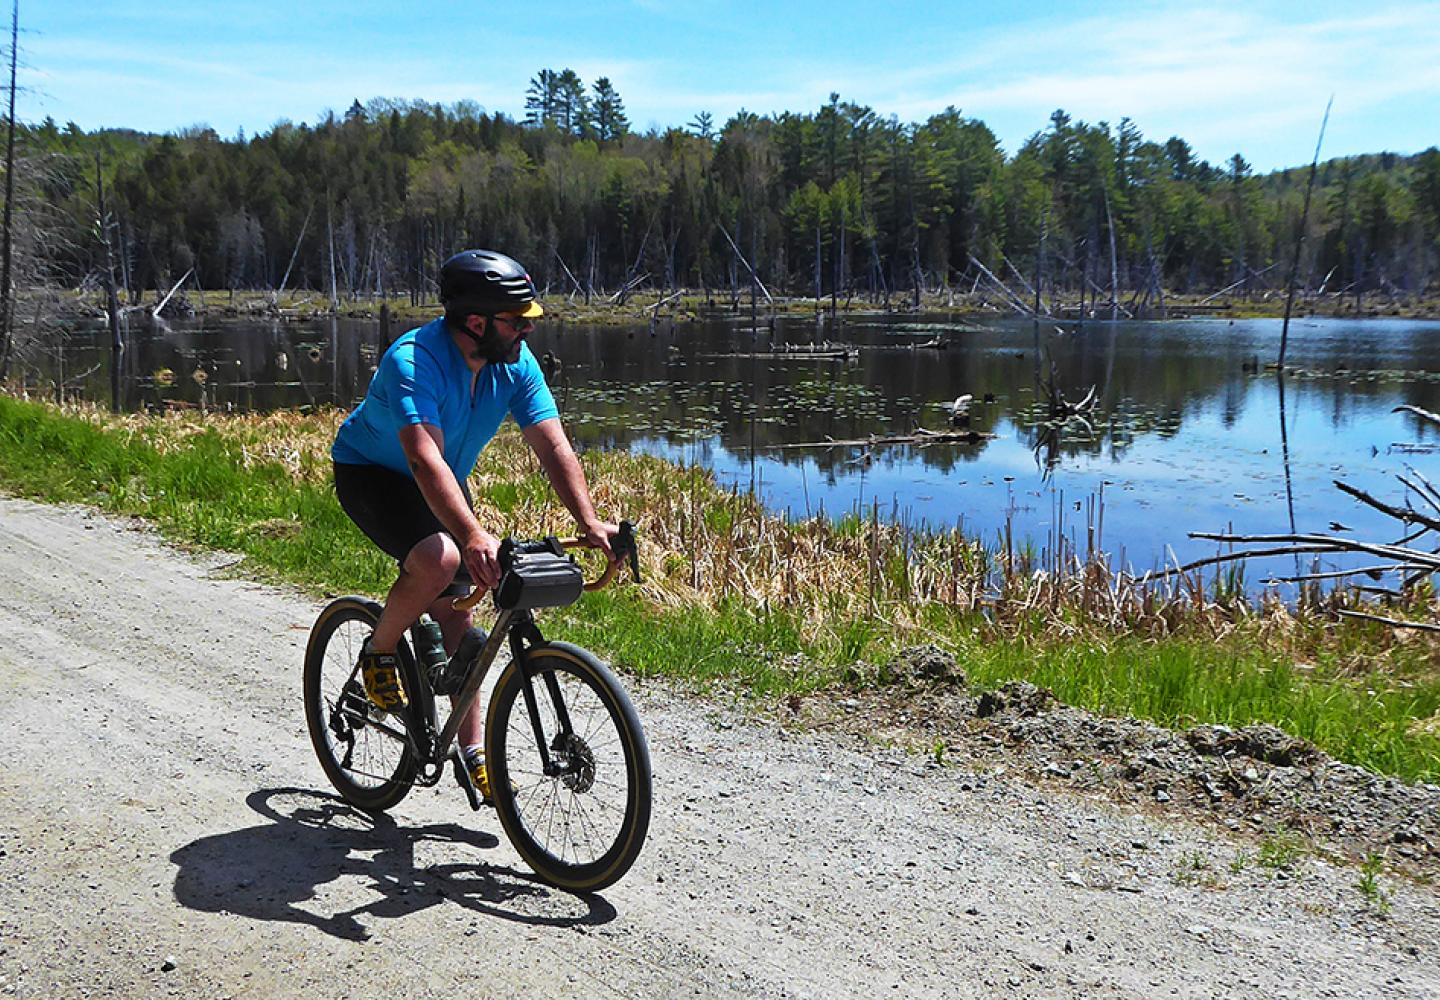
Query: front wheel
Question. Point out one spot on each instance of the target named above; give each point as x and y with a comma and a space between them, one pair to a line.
363, 750
580, 827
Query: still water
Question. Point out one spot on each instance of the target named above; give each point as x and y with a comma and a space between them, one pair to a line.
1185, 433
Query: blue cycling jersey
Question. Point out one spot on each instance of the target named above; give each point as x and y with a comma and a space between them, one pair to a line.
423, 379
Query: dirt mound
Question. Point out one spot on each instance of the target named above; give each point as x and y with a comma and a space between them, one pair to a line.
1259, 742
924, 664
1017, 698
1257, 778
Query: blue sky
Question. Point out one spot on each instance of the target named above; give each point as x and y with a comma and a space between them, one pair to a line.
1250, 78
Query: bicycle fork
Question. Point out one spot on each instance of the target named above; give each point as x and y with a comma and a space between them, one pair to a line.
524, 629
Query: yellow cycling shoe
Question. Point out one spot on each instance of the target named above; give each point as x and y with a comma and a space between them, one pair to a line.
479, 777
381, 674
475, 764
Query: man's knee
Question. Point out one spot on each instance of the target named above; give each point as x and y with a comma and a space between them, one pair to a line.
434, 559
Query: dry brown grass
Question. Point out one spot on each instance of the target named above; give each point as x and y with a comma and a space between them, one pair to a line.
704, 546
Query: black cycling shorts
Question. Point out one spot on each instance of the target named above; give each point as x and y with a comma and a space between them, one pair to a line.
392, 512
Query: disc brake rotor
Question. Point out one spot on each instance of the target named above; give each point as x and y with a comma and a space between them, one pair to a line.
579, 773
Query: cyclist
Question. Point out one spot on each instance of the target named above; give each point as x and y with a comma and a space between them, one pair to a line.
403, 455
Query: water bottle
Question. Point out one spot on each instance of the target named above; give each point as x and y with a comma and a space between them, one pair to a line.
430, 647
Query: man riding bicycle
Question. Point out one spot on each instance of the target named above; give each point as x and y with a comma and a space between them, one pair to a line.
403, 455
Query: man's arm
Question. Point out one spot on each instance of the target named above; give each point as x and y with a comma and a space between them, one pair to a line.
424, 446
547, 439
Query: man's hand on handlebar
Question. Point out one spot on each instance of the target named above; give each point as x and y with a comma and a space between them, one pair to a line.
598, 535
481, 555
617, 541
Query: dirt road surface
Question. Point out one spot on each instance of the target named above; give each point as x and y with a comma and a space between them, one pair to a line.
166, 831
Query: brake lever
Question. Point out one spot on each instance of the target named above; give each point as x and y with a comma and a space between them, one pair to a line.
624, 545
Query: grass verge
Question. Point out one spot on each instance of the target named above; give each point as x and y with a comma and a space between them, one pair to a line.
735, 595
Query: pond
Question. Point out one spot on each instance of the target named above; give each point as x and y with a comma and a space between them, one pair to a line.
1185, 432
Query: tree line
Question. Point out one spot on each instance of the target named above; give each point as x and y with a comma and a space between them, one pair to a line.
838, 202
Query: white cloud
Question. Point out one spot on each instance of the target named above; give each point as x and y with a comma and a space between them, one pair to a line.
1228, 77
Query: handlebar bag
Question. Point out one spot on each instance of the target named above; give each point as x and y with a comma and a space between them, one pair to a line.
539, 580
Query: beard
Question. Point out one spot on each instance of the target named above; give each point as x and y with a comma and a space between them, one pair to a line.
494, 349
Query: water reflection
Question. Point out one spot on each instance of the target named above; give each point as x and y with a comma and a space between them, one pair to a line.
1188, 429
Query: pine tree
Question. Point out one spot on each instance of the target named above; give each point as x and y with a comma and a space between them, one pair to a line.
541, 98
608, 112
703, 125
572, 109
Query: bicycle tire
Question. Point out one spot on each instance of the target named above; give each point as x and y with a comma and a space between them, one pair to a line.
606, 797
371, 769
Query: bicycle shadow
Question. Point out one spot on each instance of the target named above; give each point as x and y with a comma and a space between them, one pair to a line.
266, 871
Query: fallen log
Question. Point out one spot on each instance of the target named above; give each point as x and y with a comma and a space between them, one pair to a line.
1433, 418
921, 436
837, 354
1395, 622
1404, 514
1374, 572
171, 294
1311, 543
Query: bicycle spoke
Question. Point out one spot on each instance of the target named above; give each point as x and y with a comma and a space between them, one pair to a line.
586, 825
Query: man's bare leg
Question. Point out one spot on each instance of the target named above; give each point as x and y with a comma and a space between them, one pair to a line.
426, 572
453, 625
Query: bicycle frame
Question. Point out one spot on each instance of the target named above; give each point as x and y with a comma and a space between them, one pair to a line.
515, 627
470, 689
581, 721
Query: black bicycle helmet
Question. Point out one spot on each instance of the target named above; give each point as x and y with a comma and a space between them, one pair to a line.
487, 282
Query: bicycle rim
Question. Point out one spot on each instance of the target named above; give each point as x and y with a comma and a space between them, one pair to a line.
361, 749
581, 829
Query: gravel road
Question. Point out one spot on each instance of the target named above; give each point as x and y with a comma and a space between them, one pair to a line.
167, 831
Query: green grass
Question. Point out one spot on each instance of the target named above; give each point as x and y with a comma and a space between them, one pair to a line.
1280, 852
214, 492
202, 495
1368, 885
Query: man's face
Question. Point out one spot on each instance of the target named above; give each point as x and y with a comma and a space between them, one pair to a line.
512, 329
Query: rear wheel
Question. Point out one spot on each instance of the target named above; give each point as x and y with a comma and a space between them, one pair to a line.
582, 826
362, 749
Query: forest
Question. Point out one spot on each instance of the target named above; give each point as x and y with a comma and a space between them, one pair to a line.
841, 202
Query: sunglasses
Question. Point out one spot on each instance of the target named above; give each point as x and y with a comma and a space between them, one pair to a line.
520, 324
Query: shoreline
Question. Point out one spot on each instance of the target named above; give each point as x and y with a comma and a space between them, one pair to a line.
691, 306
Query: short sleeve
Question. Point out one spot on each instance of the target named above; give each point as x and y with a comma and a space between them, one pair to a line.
532, 401
418, 385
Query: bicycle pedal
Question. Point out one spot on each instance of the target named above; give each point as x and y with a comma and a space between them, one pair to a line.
462, 778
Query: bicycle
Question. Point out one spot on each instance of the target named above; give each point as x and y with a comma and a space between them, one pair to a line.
568, 764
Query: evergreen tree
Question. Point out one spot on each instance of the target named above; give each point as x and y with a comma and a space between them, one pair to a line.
869, 204
572, 108
703, 125
608, 112
542, 99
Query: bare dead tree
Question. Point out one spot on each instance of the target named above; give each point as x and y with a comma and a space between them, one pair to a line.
7, 294
741, 258
112, 301
1425, 415
1300, 238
